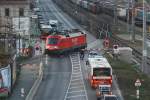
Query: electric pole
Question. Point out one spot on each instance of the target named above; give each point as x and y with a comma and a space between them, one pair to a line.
128, 17
133, 21
144, 53
115, 12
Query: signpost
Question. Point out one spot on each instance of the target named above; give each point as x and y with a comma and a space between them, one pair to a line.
137, 85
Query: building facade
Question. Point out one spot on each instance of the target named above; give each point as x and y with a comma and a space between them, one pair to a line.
13, 9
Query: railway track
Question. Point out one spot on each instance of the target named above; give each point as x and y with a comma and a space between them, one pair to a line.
76, 88
100, 20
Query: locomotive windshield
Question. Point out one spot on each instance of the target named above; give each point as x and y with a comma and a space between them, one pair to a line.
52, 41
101, 72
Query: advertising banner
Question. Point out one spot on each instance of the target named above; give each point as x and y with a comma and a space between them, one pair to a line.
5, 80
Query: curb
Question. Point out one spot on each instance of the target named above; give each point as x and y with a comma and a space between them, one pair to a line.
35, 86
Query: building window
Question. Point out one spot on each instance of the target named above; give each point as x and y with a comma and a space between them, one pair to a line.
21, 12
7, 12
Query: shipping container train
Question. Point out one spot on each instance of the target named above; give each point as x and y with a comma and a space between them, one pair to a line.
61, 42
108, 7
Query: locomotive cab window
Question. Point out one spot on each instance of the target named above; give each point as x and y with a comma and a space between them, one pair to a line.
52, 41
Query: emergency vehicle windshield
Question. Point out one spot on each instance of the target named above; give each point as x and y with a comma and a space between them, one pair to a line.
101, 72
52, 41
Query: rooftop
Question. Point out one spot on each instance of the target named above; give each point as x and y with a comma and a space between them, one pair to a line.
99, 62
4, 2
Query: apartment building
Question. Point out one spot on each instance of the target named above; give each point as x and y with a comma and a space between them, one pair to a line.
14, 14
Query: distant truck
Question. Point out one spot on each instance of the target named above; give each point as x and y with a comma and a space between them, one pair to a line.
53, 24
103, 90
45, 31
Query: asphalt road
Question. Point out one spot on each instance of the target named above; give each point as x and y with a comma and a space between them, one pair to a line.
58, 69
56, 77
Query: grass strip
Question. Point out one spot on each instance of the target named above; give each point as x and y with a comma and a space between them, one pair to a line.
126, 76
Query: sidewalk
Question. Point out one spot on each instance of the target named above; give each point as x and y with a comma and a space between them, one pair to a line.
25, 80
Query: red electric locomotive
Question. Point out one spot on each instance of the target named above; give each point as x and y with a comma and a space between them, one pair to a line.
65, 41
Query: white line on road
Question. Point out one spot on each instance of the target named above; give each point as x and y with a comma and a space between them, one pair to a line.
76, 96
76, 91
46, 60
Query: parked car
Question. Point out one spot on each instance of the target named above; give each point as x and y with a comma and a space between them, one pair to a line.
109, 97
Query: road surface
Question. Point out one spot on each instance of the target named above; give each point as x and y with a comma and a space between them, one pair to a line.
58, 69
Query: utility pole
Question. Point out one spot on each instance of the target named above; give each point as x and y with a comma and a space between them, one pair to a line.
115, 12
144, 54
133, 21
128, 17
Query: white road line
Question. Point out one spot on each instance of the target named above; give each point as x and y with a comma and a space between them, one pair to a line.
76, 81
46, 60
76, 87
76, 91
76, 96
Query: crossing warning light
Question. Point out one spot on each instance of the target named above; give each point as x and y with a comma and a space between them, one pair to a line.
115, 46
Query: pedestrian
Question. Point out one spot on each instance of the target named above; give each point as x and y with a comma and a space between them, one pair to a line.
82, 54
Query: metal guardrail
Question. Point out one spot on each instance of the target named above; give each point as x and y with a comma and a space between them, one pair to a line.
137, 54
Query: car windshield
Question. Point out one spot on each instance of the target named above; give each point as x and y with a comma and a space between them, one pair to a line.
53, 25
52, 41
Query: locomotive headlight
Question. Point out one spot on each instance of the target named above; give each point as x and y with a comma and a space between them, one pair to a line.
55, 47
48, 47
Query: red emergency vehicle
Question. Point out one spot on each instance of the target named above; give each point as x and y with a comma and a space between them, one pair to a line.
65, 41
99, 71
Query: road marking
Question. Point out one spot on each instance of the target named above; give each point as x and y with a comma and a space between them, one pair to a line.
76, 96
74, 89
76, 79
46, 60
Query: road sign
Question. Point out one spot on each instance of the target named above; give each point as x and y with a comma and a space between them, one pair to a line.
138, 83
22, 92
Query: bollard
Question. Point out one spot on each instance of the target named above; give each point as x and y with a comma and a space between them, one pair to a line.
137, 94
22, 92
